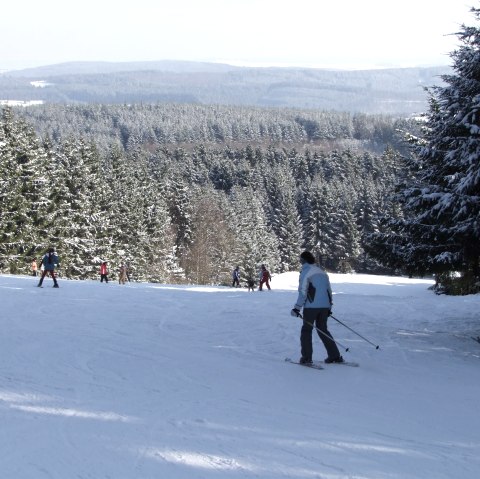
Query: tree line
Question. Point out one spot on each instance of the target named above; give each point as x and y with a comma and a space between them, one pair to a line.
147, 126
180, 214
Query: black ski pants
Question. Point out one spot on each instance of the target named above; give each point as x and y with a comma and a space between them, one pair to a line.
317, 317
52, 274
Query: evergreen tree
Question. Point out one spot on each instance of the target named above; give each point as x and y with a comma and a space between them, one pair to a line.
75, 216
255, 243
126, 213
285, 218
348, 239
180, 205
319, 236
157, 246
23, 193
381, 216
443, 204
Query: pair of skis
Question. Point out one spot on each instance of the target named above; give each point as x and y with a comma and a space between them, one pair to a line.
321, 364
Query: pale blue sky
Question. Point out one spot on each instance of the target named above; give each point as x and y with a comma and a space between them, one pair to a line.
315, 33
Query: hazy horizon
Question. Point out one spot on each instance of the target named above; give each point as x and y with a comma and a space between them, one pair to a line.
235, 64
308, 34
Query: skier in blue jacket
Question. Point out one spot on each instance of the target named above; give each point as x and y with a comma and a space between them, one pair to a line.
315, 297
49, 261
236, 277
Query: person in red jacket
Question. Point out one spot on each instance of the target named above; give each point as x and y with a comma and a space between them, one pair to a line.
103, 272
264, 278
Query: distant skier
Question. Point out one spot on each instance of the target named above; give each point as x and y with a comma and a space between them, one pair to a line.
315, 297
103, 272
250, 284
49, 262
122, 274
264, 278
236, 277
128, 271
34, 267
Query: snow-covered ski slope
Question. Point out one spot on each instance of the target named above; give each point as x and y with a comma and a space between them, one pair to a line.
148, 381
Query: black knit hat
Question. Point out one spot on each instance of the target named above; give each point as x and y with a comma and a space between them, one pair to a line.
307, 257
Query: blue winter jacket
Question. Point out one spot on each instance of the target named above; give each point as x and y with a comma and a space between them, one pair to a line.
314, 290
49, 263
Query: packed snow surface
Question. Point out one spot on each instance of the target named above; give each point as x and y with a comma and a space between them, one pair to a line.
148, 381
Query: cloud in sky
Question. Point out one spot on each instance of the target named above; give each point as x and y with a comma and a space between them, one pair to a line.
349, 34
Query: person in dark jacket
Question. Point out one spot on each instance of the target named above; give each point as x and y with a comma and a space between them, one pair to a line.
49, 262
128, 271
315, 297
236, 277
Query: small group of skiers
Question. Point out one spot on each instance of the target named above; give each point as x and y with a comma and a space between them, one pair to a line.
264, 279
50, 261
123, 273
314, 297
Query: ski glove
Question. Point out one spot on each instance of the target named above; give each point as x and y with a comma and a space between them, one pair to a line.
295, 312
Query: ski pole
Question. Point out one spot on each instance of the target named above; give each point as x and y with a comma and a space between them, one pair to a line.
325, 334
353, 331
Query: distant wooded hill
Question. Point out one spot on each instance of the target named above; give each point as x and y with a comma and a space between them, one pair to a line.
390, 91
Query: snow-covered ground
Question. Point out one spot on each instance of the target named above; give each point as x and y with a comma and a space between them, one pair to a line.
148, 381
21, 102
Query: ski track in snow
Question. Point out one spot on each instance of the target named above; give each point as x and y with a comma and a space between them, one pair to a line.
144, 381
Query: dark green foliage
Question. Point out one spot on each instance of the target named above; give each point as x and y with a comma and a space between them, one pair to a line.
24, 181
455, 284
186, 214
439, 228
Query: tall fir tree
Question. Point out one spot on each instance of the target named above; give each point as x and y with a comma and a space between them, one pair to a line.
450, 182
76, 216
23, 193
440, 230
126, 214
285, 218
156, 244
255, 242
